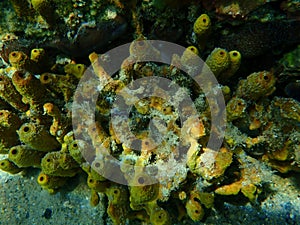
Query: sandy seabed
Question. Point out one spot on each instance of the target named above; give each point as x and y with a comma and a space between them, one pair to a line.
23, 201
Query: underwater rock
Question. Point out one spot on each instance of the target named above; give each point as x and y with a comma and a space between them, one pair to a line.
253, 38
238, 9
22, 8
92, 37
46, 9
292, 89
292, 8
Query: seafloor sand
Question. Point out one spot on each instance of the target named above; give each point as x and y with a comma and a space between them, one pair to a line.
24, 202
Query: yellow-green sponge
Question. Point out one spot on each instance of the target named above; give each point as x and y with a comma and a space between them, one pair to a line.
9, 166
37, 137
218, 61
23, 156
51, 183
59, 164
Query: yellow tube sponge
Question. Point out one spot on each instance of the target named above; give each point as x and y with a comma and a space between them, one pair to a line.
94, 199
97, 185
202, 25
197, 203
140, 50
30, 88
235, 108
9, 93
23, 156
60, 124
76, 149
202, 28
218, 61
190, 56
117, 194
37, 55
194, 210
19, 60
257, 85
159, 216
59, 164
37, 137
76, 70
51, 183
9, 166
235, 62
140, 192
59, 84
9, 123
